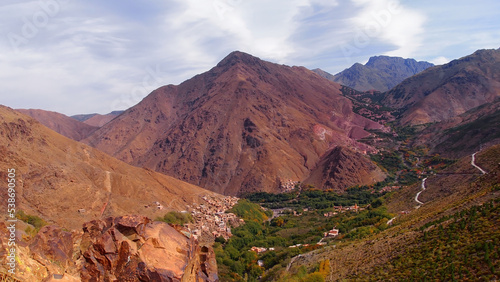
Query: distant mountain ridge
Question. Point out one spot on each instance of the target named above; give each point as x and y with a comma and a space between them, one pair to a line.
380, 73
97, 120
446, 91
60, 123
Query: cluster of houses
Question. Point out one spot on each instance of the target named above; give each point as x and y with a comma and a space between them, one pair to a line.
155, 205
211, 217
260, 249
288, 185
389, 189
341, 209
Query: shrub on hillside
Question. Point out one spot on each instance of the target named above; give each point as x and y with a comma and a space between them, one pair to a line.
175, 217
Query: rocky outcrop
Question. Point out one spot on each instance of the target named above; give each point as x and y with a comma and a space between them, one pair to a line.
126, 248
52, 255
53, 244
133, 248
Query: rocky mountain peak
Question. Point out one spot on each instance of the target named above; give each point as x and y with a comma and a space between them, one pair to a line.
238, 57
379, 73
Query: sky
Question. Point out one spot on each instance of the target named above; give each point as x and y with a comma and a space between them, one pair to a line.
93, 56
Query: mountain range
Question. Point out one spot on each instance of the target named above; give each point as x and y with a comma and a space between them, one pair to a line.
380, 73
60, 123
203, 132
425, 138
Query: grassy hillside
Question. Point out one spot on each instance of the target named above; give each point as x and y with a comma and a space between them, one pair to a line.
452, 236
461, 247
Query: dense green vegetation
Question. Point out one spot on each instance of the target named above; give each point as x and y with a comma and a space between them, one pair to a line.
33, 220
175, 217
464, 246
250, 211
437, 162
317, 199
390, 161
407, 132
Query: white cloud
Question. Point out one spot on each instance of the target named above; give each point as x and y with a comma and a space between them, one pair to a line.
390, 22
103, 51
258, 27
440, 60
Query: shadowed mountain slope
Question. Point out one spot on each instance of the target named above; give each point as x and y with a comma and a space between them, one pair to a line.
464, 134
342, 168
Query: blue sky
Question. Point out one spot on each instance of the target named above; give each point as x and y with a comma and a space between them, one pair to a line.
97, 56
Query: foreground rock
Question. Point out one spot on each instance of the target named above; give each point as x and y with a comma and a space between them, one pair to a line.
136, 248
127, 248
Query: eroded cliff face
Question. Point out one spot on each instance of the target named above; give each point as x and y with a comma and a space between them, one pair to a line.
126, 248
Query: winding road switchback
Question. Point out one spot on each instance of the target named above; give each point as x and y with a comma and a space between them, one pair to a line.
418, 194
473, 163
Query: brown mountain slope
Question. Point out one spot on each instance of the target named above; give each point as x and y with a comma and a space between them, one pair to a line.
56, 177
60, 123
442, 92
239, 127
341, 168
464, 134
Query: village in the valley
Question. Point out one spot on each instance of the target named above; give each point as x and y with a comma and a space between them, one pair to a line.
211, 217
